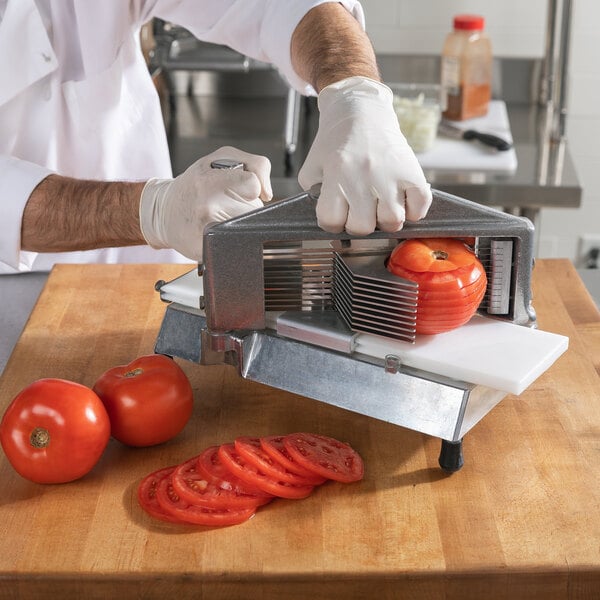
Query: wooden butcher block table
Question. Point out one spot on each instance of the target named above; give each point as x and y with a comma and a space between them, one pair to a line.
520, 520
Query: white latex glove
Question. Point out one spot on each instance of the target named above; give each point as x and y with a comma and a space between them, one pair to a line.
370, 176
174, 212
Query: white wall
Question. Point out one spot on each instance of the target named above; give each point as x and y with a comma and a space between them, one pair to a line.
420, 26
517, 29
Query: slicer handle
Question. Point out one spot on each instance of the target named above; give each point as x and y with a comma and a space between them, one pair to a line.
226, 163
315, 191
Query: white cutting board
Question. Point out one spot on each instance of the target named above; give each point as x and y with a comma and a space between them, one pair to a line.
485, 351
461, 155
186, 289
488, 352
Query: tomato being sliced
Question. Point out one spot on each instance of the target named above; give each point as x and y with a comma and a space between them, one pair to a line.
232, 460
452, 281
173, 504
146, 494
189, 483
273, 445
210, 466
432, 255
325, 456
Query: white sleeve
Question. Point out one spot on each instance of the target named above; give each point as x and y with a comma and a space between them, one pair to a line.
18, 178
260, 29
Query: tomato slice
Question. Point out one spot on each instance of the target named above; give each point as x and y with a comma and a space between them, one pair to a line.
442, 281
441, 310
471, 293
274, 447
210, 466
423, 255
173, 504
250, 449
325, 456
232, 460
436, 327
431, 317
146, 494
189, 483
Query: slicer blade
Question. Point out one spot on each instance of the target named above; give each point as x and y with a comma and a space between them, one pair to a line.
372, 300
297, 277
499, 292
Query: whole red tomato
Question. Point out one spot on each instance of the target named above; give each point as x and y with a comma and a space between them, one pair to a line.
452, 281
54, 431
149, 401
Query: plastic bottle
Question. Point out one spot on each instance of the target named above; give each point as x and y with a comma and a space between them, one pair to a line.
467, 69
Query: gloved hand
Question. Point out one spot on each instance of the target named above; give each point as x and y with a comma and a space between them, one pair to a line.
174, 212
370, 176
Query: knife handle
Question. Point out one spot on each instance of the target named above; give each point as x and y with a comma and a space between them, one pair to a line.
488, 139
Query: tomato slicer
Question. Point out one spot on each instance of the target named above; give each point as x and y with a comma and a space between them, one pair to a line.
318, 314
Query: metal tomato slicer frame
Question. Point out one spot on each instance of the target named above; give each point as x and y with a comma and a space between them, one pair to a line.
317, 314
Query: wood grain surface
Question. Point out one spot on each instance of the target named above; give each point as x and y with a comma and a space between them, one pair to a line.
520, 520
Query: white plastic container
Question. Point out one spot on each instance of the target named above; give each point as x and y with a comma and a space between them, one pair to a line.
419, 109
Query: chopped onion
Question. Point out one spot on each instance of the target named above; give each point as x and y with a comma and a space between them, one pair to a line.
418, 120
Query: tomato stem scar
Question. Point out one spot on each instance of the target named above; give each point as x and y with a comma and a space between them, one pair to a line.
39, 438
440, 255
134, 373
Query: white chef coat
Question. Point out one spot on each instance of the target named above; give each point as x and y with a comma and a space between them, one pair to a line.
76, 97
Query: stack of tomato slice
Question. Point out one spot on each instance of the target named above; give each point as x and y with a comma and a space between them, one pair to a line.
226, 484
452, 281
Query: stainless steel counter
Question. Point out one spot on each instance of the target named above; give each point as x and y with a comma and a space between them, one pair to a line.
247, 110
545, 177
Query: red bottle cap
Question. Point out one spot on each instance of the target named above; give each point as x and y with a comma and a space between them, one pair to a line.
469, 22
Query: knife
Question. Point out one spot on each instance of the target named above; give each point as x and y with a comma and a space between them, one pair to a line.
488, 139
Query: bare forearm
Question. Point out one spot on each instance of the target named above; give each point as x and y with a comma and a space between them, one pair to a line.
329, 45
64, 214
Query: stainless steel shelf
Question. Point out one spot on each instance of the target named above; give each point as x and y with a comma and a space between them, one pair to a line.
545, 177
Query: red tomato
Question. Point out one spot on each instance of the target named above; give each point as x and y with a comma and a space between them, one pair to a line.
149, 401
250, 449
174, 505
190, 485
247, 472
452, 281
54, 431
325, 456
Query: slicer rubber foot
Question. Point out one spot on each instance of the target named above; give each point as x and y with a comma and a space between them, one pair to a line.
451, 456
